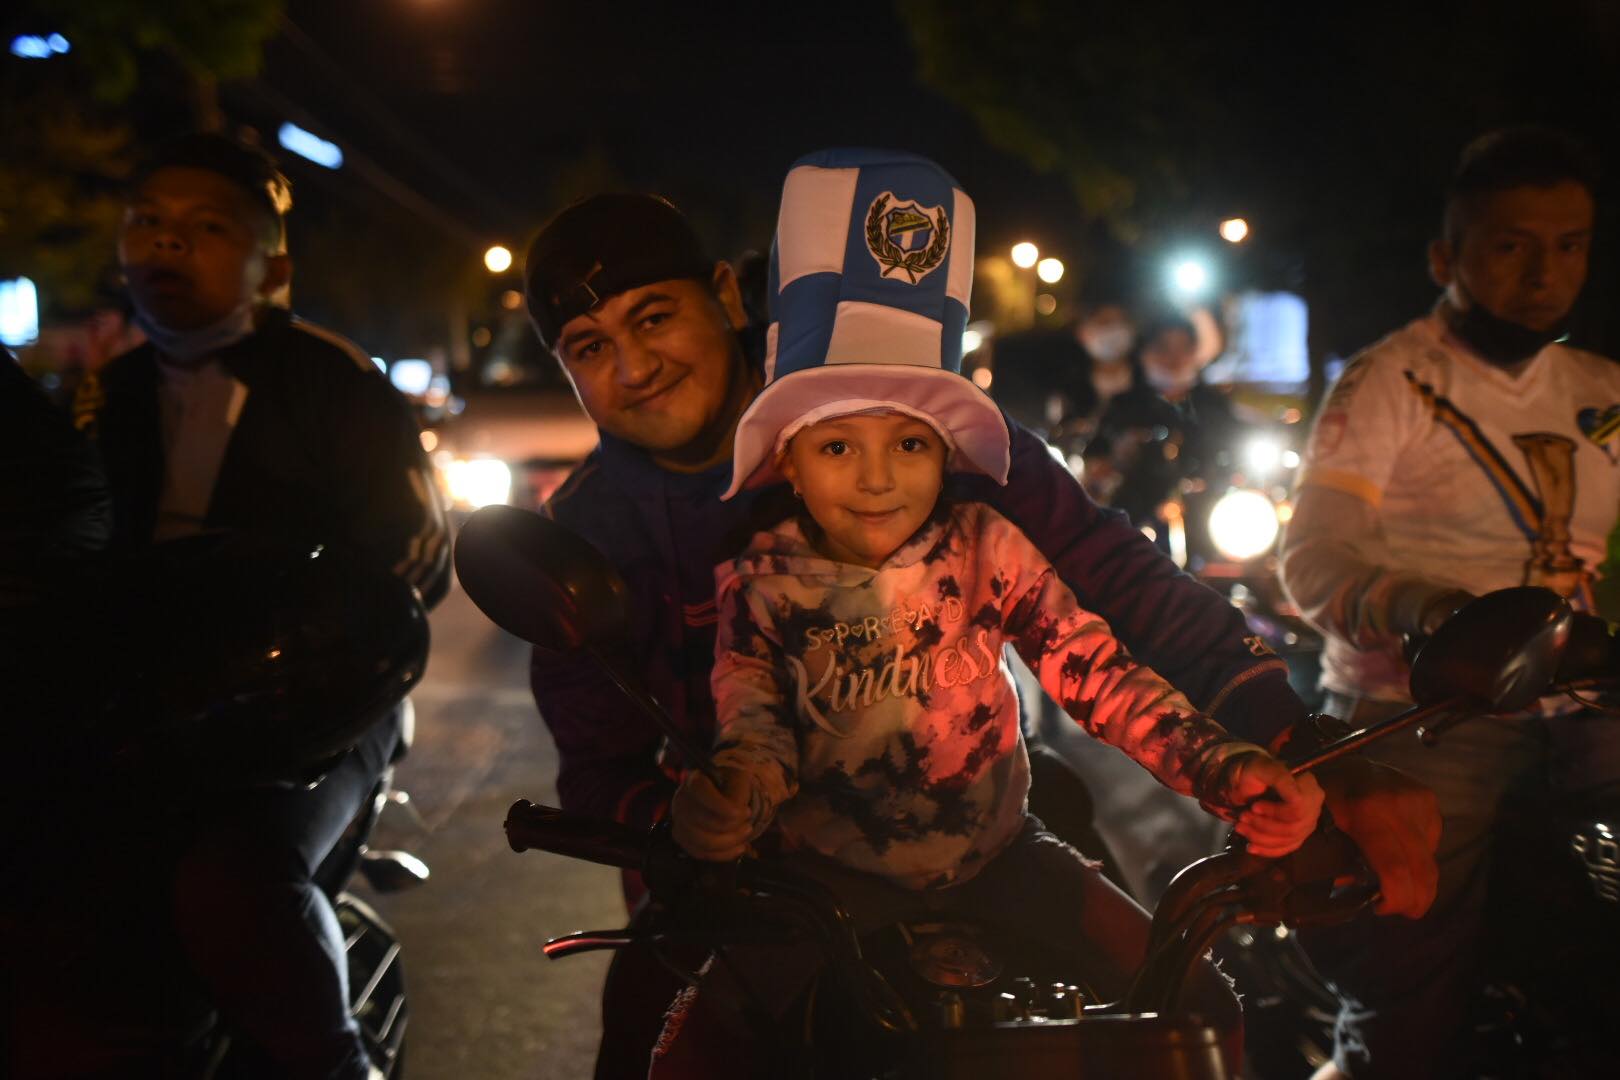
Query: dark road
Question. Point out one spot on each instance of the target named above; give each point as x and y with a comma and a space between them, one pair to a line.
484, 1001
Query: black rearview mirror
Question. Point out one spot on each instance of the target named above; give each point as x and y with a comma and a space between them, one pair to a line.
538, 581
1500, 652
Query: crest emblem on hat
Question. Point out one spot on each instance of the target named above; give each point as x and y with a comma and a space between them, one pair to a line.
907, 238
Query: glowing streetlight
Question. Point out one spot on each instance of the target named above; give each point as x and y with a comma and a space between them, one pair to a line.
1049, 270
1189, 277
498, 259
1024, 255
1234, 230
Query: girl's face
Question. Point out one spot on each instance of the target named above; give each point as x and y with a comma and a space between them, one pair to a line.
870, 481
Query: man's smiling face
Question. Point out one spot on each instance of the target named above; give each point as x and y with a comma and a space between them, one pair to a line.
658, 366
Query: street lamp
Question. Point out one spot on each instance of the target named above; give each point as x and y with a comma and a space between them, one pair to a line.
498, 259
1049, 270
1024, 255
1234, 230
1189, 277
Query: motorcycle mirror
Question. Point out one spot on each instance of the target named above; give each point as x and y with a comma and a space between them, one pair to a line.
538, 581
1500, 651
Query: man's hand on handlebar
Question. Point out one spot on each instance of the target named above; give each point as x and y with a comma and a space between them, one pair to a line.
713, 823
1276, 809
1395, 821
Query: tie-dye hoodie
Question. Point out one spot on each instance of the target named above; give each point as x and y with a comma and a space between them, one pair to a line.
875, 714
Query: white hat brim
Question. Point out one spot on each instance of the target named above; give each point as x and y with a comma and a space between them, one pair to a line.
958, 408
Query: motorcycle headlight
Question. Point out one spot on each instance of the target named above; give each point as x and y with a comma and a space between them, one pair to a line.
1262, 455
478, 482
1243, 524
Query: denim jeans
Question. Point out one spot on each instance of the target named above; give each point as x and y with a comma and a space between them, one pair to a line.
1405, 985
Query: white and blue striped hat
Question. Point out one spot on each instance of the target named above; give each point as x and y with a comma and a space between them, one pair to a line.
869, 283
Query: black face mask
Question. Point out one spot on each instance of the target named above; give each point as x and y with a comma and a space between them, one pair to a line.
1499, 341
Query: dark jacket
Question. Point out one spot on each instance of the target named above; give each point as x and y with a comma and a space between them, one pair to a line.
325, 450
1138, 431
54, 508
666, 531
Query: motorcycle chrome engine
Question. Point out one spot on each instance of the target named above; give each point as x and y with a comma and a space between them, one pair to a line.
951, 956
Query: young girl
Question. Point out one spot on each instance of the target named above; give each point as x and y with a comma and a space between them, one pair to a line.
865, 712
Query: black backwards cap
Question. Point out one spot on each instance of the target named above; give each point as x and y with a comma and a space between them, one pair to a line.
603, 246
248, 167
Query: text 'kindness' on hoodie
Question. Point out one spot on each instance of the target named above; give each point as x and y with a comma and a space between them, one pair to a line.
874, 712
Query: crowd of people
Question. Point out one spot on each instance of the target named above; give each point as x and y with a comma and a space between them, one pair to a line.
836, 541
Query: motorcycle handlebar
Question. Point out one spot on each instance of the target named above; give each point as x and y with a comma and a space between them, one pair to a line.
604, 842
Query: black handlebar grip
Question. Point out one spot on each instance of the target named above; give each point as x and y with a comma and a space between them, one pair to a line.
549, 829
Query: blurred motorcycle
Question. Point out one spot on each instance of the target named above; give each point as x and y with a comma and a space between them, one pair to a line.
1214, 496
207, 667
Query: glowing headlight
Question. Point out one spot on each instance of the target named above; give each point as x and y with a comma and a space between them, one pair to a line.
1243, 524
1262, 456
478, 482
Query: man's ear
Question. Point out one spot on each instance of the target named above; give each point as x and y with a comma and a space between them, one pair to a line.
277, 275
1441, 262
727, 292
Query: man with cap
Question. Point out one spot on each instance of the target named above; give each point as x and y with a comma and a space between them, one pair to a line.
647, 327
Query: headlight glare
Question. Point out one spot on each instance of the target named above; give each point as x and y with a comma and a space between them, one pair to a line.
1243, 524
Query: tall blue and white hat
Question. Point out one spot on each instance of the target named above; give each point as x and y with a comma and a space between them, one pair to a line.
869, 283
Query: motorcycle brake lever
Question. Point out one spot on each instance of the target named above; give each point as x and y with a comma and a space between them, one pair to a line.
583, 941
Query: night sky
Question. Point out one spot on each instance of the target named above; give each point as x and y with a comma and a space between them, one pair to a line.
1332, 129
531, 100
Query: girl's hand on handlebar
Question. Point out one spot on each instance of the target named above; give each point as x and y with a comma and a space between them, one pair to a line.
1274, 809
713, 823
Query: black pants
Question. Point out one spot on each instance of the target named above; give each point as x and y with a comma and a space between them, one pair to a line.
258, 930
125, 916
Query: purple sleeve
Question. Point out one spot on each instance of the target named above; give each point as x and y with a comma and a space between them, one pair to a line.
1180, 628
607, 755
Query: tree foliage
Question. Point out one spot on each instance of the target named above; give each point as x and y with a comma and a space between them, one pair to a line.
67, 128
1334, 126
